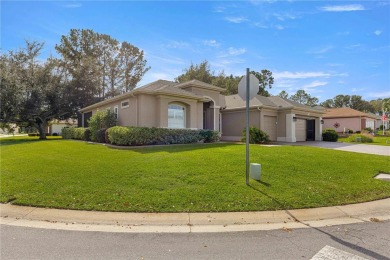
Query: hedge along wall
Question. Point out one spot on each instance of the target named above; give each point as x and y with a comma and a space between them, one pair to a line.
78, 133
133, 136
120, 135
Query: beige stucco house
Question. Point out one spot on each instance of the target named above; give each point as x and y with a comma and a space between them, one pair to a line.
198, 105
345, 118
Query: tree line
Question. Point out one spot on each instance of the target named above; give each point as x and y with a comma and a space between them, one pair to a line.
90, 67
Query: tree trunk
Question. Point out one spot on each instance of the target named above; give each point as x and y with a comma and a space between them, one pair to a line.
42, 130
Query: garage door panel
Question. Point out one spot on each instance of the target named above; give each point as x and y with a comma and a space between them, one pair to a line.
300, 130
270, 127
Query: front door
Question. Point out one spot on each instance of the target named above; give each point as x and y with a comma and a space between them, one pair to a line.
310, 127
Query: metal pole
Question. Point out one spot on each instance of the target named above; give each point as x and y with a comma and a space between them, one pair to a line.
383, 121
247, 127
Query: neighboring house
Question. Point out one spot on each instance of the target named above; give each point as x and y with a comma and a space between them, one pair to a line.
56, 126
380, 122
345, 118
198, 105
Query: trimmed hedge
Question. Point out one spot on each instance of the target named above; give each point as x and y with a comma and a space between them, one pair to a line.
329, 135
360, 138
79, 133
256, 136
135, 136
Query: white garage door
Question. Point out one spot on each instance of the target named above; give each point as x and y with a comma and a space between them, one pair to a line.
300, 130
270, 127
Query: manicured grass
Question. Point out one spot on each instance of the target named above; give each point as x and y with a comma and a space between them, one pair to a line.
377, 140
184, 178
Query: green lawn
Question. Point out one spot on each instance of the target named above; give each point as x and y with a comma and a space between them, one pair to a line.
184, 178
378, 140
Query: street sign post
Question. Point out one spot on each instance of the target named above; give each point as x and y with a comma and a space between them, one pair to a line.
247, 89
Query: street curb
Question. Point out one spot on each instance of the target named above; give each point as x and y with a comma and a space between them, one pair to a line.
286, 220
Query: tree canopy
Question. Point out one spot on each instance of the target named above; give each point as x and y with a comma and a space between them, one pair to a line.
203, 73
31, 92
91, 67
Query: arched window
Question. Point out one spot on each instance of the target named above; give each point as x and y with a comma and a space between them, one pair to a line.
176, 116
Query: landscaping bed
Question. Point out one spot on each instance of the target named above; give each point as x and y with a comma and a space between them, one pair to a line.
71, 174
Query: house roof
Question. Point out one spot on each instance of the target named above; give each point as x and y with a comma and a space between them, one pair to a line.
200, 84
157, 87
343, 112
236, 102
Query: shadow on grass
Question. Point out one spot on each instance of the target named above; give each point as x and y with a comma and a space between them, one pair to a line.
358, 248
171, 148
25, 139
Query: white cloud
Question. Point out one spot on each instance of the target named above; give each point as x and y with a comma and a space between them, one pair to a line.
357, 90
384, 94
279, 27
315, 84
321, 50
234, 52
378, 32
284, 16
300, 75
211, 43
177, 45
231, 51
72, 5
237, 19
343, 8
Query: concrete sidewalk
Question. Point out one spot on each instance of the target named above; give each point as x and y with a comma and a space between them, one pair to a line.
356, 148
193, 222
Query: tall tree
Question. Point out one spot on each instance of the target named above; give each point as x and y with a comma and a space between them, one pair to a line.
36, 94
265, 81
283, 94
304, 98
200, 72
229, 83
203, 73
100, 63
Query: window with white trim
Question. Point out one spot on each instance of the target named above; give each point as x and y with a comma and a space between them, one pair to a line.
176, 116
116, 112
125, 104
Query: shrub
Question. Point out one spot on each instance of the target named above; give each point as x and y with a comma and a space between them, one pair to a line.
256, 136
329, 135
100, 120
154, 136
55, 134
209, 136
119, 135
368, 129
360, 138
101, 135
79, 133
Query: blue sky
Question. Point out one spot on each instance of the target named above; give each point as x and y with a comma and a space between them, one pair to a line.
324, 47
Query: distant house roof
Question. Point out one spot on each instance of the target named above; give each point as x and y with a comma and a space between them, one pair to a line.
236, 102
344, 112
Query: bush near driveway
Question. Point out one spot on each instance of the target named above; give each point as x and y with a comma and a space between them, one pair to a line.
360, 138
329, 135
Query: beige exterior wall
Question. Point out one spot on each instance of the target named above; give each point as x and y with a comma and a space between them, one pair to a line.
191, 106
147, 111
214, 95
353, 123
281, 133
233, 122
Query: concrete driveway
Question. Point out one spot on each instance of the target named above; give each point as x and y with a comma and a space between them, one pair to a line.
357, 148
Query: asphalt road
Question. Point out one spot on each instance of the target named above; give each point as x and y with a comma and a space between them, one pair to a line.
369, 240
